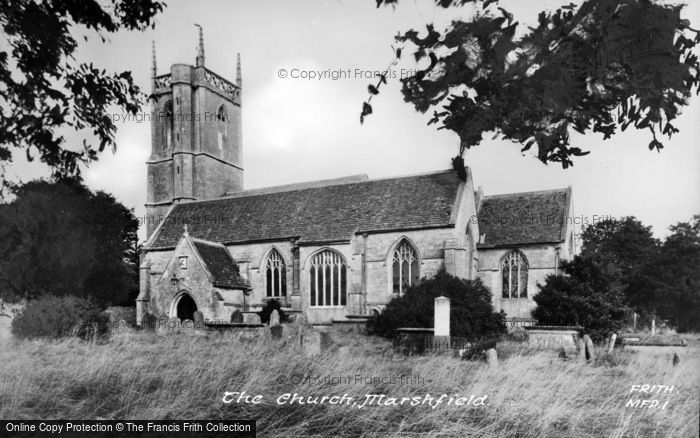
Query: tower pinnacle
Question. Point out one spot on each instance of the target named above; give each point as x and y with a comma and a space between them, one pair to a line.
200, 48
153, 55
239, 76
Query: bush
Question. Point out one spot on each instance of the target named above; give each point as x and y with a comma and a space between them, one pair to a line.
588, 294
56, 317
267, 309
471, 312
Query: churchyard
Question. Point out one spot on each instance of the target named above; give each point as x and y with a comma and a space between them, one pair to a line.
145, 374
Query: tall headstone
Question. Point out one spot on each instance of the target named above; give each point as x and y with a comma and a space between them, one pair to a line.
442, 317
492, 357
590, 349
581, 350
274, 318
611, 344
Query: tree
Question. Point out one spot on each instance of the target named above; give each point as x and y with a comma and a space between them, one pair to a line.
471, 311
603, 65
631, 247
62, 239
588, 294
671, 283
43, 87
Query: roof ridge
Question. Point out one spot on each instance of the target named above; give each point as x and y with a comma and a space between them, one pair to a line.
207, 242
263, 192
281, 188
532, 192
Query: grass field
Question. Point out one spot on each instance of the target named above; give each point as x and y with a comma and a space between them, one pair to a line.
137, 375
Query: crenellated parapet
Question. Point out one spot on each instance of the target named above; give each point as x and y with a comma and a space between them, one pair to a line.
198, 76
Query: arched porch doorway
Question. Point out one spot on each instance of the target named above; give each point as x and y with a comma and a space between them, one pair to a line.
185, 308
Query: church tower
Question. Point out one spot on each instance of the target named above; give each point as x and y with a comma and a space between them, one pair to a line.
196, 142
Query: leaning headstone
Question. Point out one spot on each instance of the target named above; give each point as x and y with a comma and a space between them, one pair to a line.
611, 343
676, 359
237, 317
492, 357
590, 349
581, 350
274, 318
276, 331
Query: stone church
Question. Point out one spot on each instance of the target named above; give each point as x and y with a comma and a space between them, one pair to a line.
331, 250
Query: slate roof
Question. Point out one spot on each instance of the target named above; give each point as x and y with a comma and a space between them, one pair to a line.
218, 261
524, 218
318, 214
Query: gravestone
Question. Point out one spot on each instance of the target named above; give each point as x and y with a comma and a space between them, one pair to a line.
611, 344
316, 342
237, 317
198, 320
581, 350
590, 350
442, 317
326, 341
274, 318
344, 352
492, 357
149, 322
277, 331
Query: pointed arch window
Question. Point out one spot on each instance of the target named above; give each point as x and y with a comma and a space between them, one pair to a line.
514, 270
222, 126
275, 275
405, 267
168, 124
328, 279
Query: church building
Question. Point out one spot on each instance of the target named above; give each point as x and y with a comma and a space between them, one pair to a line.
331, 249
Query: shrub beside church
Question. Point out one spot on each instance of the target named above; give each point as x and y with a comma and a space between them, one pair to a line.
471, 313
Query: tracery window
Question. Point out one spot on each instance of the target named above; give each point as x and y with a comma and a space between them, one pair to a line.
275, 275
514, 270
328, 279
405, 267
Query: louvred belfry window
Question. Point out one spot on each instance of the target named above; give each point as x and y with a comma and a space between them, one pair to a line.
327, 279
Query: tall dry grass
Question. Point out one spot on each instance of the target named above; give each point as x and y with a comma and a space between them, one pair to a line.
530, 394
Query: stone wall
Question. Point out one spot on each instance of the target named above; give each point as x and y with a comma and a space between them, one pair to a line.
366, 291
542, 261
216, 304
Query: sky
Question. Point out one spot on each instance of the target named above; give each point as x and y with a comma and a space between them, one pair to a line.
300, 129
